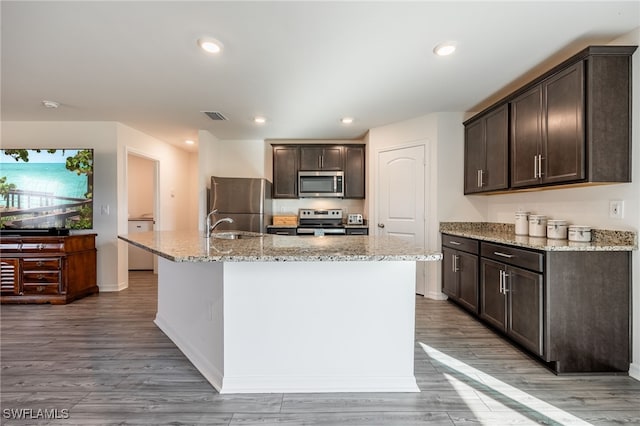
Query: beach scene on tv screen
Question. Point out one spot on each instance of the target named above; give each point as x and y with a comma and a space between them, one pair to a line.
46, 188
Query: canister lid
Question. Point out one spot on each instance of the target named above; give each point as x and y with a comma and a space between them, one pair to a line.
579, 228
537, 216
556, 222
521, 213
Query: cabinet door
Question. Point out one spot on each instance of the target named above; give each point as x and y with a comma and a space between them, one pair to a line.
524, 289
526, 137
468, 281
493, 303
354, 172
9, 277
310, 158
495, 175
564, 137
285, 171
321, 158
449, 273
332, 158
474, 155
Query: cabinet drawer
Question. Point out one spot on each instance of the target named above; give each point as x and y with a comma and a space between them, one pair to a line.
36, 278
42, 247
527, 259
460, 243
41, 264
34, 288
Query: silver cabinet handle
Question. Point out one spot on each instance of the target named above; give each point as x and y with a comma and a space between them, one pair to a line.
455, 262
535, 167
480, 178
381, 225
540, 165
508, 256
455, 243
503, 282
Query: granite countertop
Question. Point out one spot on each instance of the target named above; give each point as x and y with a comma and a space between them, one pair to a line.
191, 246
504, 233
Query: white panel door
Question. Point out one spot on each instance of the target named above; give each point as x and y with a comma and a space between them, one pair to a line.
401, 199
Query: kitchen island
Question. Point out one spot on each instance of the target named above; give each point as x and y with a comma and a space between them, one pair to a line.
275, 313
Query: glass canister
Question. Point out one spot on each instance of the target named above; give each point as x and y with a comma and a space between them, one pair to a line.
537, 225
557, 229
522, 223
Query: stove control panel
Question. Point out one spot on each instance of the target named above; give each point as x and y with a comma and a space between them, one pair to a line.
332, 214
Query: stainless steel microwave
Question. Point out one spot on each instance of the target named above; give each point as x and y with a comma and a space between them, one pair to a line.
320, 184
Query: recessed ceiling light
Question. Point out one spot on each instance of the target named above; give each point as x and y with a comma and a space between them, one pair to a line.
189, 142
346, 120
51, 104
210, 45
259, 120
445, 49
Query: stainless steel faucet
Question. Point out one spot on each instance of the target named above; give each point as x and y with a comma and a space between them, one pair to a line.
209, 227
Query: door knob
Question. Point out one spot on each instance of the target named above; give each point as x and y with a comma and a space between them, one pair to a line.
381, 225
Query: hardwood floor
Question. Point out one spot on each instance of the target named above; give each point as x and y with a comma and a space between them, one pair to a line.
101, 360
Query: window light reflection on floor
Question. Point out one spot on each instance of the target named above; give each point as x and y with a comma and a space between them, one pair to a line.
500, 396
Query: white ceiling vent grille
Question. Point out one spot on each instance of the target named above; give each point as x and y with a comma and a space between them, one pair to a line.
215, 115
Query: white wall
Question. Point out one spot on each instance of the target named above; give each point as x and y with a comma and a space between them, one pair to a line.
421, 130
175, 199
110, 142
101, 136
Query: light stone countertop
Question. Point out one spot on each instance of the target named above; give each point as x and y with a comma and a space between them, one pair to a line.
504, 233
192, 246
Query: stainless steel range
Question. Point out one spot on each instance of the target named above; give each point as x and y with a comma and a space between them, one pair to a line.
320, 222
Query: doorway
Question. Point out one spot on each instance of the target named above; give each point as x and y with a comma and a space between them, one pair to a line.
141, 204
401, 194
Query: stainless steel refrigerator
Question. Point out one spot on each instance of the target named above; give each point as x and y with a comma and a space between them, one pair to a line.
245, 200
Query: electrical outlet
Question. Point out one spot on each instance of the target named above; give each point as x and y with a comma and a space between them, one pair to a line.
616, 209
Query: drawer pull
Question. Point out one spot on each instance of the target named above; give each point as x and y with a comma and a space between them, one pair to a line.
455, 243
40, 277
40, 288
40, 246
508, 256
40, 263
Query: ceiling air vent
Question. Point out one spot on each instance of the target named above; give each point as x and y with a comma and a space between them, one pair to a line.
215, 115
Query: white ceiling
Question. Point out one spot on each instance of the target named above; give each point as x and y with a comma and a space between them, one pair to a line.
303, 65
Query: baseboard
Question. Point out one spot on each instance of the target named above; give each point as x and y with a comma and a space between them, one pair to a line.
299, 384
436, 295
113, 287
634, 371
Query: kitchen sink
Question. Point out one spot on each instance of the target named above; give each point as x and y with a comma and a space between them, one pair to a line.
236, 235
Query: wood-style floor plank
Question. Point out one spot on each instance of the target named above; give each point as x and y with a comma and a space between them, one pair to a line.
102, 359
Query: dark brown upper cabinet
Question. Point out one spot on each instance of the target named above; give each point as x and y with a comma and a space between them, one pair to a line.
320, 157
354, 173
285, 171
570, 126
290, 158
486, 146
548, 131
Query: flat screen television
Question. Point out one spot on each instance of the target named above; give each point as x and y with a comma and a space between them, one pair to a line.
46, 191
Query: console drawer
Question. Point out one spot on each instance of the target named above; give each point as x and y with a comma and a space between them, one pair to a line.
41, 264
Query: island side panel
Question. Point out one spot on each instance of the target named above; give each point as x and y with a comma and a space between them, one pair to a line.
190, 313
319, 326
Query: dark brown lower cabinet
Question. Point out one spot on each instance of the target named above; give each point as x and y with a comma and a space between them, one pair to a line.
511, 301
460, 271
569, 308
